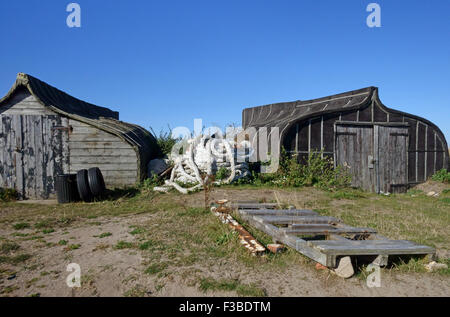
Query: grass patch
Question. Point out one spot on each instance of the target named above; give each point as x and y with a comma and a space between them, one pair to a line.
156, 268
444, 271
147, 245
409, 264
20, 234
29, 283
47, 231
21, 226
44, 224
193, 212
104, 235
73, 247
226, 238
8, 195
123, 245
7, 247
8, 289
15, 259
415, 192
446, 200
250, 290
63, 242
348, 194
137, 231
101, 246
136, 291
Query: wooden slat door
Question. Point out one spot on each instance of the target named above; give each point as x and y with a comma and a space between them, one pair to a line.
392, 159
10, 154
33, 154
355, 151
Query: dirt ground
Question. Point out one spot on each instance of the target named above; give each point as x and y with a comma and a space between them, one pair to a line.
107, 269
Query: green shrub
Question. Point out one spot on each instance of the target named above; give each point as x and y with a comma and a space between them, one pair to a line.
222, 173
442, 176
165, 141
149, 183
317, 171
8, 194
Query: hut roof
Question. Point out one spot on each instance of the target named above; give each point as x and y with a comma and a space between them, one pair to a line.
58, 100
281, 115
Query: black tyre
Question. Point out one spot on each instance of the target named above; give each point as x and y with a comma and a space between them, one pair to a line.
96, 181
83, 186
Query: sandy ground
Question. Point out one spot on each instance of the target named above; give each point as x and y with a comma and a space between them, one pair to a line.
107, 271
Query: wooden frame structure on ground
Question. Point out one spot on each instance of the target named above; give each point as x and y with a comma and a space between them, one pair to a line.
324, 239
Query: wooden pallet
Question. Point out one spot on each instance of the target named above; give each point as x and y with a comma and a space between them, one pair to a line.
291, 226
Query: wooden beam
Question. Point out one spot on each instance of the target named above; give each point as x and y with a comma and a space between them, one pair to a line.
368, 123
435, 154
309, 136
321, 229
254, 206
417, 153
280, 212
370, 247
293, 220
321, 136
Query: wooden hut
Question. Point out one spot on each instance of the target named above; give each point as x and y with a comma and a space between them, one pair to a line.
385, 150
45, 132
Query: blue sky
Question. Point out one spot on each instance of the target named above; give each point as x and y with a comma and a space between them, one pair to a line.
168, 62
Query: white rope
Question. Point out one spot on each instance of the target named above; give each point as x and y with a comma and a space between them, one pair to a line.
202, 156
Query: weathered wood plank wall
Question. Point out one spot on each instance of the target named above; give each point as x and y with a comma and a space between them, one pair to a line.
23, 103
91, 147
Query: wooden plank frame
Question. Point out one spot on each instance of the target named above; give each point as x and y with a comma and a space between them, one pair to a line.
326, 252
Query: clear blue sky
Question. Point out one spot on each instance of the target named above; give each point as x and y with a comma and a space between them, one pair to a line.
168, 62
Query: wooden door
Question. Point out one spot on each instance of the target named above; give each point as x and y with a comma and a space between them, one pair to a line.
355, 152
33, 153
392, 159
10, 152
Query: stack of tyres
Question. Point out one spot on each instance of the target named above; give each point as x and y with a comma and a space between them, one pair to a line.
66, 188
90, 184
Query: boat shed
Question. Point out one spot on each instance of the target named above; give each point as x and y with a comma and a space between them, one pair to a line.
385, 150
45, 132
